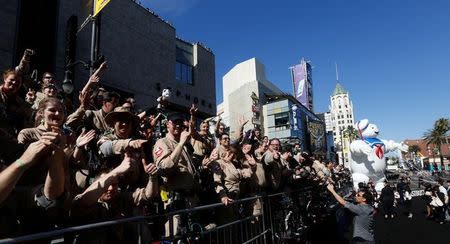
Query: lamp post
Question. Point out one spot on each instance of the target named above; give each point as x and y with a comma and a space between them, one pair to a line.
341, 134
67, 84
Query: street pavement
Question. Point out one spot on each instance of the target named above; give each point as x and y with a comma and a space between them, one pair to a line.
399, 230
416, 230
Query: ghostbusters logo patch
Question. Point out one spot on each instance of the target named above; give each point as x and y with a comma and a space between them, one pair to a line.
158, 152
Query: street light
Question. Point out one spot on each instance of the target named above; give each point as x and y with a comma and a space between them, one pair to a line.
67, 84
341, 134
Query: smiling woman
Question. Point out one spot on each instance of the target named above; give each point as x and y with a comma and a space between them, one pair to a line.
50, 116
50, 113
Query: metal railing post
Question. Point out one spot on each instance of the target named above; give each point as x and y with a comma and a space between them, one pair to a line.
270, 219
263, 218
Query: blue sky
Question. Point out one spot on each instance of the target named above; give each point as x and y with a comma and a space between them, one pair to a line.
393, 56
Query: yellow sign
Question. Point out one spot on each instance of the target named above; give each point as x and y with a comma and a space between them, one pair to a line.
99, 5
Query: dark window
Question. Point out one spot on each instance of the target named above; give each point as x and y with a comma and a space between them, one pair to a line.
209, 105
195, 100
203, 102
282, 121
183, 72
188, 97
178, 93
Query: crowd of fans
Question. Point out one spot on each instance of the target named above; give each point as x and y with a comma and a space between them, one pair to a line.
102, 160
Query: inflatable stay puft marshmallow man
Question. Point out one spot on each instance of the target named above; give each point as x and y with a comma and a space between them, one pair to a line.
367, 155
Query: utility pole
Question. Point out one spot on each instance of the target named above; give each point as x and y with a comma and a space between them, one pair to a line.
94, 37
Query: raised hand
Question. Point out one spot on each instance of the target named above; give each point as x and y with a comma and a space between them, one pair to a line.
242, 121
214, 155
250, 159
103, 66
35, 150
150, 168
85, 138
61, 140
193, 110
31, 95
84, 98
185, 135
29, 52
124, 166
94, 79
205, 162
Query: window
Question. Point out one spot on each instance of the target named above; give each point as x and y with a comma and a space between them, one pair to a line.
183, 72
282, 121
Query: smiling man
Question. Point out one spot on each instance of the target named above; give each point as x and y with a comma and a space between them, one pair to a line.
176, 166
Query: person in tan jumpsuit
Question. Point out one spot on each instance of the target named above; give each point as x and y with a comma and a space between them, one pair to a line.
177, 169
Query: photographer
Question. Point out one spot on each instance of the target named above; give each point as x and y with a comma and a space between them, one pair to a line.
363, 231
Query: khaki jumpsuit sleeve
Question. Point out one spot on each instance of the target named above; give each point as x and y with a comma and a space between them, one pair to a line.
161, 155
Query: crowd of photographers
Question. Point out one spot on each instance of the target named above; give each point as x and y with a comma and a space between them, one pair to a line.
62, 165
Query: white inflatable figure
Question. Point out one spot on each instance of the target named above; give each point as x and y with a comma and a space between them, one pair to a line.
163, 99
367, 155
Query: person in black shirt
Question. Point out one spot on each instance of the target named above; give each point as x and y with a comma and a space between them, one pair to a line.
387, 200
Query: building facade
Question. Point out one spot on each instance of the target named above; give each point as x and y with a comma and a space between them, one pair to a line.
341, 111
428, 154
244, 83
331, 149
143, 52
287, 119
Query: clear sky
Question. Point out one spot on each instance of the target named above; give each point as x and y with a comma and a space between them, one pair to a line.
393, 56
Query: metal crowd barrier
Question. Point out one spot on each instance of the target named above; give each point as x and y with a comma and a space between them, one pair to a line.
277, 219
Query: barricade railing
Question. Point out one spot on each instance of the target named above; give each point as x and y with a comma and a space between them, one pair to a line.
280, 215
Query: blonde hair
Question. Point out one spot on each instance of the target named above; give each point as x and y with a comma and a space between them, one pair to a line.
43, 104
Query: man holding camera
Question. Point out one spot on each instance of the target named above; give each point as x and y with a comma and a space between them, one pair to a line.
363, 229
